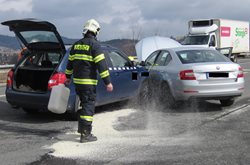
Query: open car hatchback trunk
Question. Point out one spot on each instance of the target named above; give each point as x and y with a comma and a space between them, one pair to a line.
46, 49
34, 71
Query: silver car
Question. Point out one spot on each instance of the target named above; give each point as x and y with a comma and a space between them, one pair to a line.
184, 73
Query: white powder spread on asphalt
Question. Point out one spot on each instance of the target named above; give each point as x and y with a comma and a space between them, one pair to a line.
69, 145
111, 143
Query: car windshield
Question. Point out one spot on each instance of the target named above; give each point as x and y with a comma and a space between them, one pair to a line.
200, 56
196, 40
39, 36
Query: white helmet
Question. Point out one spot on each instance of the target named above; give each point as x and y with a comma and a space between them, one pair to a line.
92, 26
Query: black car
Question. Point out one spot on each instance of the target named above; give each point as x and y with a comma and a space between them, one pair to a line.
30, 81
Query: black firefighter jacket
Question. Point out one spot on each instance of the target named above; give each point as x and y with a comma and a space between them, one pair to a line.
85, 59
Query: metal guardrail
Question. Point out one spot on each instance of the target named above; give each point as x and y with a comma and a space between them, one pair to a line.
3, 72
6, 66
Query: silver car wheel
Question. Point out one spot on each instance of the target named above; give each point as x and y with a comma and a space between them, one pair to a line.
166, 97
227, 102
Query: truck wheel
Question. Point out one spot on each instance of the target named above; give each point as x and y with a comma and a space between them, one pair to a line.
227, 102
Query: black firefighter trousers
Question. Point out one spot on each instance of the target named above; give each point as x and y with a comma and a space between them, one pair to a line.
85, 114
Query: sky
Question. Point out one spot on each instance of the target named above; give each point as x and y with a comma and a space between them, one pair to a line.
123, 18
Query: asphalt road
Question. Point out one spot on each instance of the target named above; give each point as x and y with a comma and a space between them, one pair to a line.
204, 133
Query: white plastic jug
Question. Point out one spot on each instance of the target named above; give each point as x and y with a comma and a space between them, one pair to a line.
58, 100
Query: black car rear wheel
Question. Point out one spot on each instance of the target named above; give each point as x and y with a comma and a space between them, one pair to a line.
227, 102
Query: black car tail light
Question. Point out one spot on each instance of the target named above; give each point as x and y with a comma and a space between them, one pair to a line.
57, 78
10, 78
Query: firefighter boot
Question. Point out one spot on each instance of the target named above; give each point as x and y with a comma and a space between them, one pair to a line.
86, 135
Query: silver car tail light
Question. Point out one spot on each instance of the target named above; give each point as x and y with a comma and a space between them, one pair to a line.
187, 75
240, 73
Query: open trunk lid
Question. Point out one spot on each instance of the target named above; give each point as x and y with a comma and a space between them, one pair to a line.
36, 34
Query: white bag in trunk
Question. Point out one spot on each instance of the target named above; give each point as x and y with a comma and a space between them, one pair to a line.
58, 100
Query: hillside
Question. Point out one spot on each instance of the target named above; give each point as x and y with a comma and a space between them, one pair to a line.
125, 45
9, 42
9, 47
12, 42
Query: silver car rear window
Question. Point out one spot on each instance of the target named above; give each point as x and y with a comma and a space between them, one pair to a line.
200, 56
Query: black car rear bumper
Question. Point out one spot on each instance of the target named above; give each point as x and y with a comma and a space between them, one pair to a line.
34, 100
27, 99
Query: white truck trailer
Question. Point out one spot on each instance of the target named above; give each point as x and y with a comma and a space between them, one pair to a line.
220, 33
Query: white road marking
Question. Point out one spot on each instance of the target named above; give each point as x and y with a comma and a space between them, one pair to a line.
2, 95
231, 112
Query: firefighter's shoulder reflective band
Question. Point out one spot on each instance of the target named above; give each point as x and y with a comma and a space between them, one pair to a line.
81, 47
99, 58
104, 74
81, 57
68, 71
85, 81
87, 118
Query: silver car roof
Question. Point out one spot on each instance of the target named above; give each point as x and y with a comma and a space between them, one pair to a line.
180, 48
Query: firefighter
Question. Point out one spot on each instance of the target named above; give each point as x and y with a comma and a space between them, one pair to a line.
86, 57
